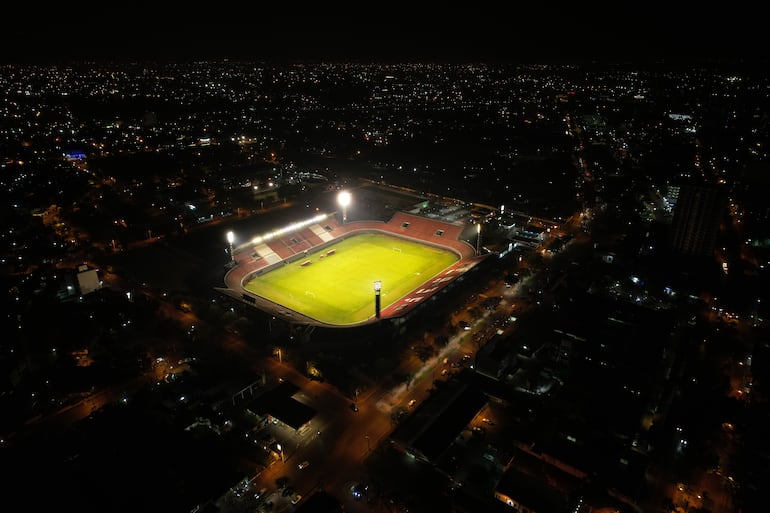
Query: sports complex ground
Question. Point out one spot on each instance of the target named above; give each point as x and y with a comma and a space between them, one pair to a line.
321, 271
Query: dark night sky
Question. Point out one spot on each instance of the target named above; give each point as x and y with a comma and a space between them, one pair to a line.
514, 32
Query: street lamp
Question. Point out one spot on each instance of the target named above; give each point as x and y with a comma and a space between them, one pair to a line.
280, 449
377, 289
478, 237
230, 240
344, 200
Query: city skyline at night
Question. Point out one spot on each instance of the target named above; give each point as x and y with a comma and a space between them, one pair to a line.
596, 339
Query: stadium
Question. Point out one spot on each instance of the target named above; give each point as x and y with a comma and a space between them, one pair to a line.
334, 271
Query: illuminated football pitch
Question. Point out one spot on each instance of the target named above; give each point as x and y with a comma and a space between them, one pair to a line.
335, 285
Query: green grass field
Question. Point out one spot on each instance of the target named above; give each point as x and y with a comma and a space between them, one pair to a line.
338, 288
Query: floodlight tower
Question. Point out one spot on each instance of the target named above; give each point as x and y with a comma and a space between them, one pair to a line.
478, 238
377, 289
230, 240
344, 200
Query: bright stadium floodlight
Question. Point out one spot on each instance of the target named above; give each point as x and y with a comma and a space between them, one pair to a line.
230, 240
478, 237
344, 200
377, 289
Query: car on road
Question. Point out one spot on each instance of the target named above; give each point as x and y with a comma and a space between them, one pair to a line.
296, 499
412, 402
354, 406
304, 464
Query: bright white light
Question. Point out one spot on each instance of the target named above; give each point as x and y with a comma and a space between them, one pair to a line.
287, 229
344, 198
230, 237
